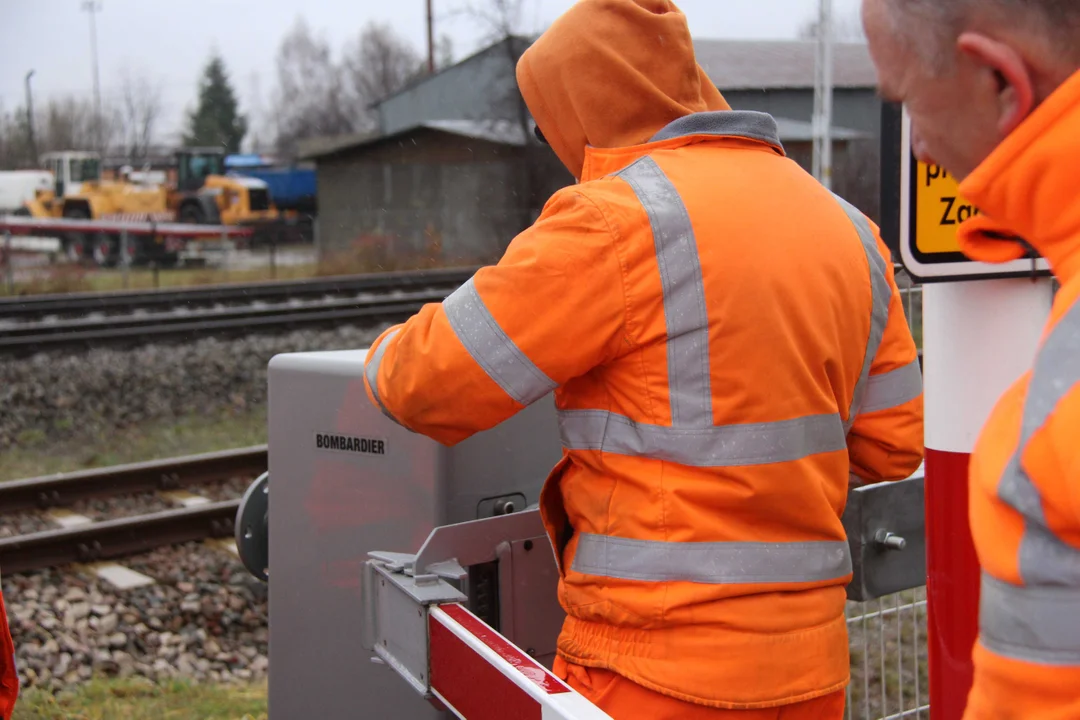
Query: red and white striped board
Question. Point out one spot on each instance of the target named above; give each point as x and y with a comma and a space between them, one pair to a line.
978, 338
480, 675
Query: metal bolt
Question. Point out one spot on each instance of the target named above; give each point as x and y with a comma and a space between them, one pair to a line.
889, 540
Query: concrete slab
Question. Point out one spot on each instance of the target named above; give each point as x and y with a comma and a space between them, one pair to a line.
121, 577
66, 518
185, 498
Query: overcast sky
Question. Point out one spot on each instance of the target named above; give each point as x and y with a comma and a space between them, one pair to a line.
169, 42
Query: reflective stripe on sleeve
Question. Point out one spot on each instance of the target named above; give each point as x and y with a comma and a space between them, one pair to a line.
714, 446
711, 562
1031, 624
1045, 559
492, 348
371, 372
892, 389
880, 293
683, 290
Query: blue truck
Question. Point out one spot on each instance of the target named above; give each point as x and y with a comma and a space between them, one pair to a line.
291, 187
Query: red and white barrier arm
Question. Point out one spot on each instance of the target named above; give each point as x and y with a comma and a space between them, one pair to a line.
20, 225
480, 675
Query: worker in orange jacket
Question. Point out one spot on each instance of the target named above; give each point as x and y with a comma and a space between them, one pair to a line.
726, 344
993, 90
9, 678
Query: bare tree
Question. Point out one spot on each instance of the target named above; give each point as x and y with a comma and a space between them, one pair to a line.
378, 63
310, 99
70, 123
140, 108
845, 28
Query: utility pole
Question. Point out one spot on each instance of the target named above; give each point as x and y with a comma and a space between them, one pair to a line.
823, 95
430, 38
93, 7
30, 119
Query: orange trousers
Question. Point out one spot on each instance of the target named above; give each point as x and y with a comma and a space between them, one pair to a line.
625, 700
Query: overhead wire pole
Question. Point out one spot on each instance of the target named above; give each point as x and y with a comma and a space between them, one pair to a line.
823, 95
431, 38
93, 7
30, 117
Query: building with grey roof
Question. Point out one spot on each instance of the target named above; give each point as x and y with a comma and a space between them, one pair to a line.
455, 138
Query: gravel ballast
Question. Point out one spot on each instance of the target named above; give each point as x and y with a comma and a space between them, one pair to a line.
52, 397
204, 620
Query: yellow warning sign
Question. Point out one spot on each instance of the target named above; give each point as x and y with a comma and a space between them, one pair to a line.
939, 209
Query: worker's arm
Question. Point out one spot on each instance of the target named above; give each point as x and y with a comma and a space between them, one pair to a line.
551, 310
886, 439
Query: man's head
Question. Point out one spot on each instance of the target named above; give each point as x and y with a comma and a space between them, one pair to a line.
970, 71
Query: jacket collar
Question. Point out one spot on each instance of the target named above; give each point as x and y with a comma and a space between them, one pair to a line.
731, 124
1028, 188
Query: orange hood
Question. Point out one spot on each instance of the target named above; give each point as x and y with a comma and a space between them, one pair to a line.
613, 73
1029, 186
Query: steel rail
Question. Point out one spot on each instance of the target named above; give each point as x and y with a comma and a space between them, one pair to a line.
65, 327
117, 538
23, 308
168, 474
187, 329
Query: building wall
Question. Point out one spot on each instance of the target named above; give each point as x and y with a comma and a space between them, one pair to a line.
431, 194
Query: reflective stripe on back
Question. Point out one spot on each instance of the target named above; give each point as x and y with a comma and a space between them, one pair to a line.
1033, 624
492, 348
714, 446
711, 562
684, 293
880, 294
371, 371
892, 389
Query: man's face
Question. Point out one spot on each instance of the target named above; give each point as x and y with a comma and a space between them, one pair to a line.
952, 101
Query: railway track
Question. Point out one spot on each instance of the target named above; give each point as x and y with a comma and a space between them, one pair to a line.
71, 322
124, 536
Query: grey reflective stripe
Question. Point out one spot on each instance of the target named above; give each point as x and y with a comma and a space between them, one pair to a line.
1033, 624
684, 293
1044, 558
892, 389
711, 562
730, 123
714, 446
492, 348
880, 293
371, 371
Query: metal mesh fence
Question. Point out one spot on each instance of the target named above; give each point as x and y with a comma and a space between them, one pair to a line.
887, 636
888, 658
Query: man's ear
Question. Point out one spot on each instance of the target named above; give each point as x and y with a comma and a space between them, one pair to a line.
1007, 70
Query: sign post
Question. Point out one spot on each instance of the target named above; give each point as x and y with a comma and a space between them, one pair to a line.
981, 328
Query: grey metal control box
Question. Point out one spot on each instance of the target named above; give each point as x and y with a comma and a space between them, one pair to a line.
347, 481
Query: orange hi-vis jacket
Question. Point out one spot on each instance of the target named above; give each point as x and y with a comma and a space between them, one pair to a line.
726, 344
1025, 471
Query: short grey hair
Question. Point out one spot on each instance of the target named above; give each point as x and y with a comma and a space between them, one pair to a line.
1058, 20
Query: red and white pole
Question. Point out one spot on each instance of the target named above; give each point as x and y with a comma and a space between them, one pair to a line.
978, 338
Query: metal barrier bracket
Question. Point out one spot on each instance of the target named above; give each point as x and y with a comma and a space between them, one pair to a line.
886, 531
395, 603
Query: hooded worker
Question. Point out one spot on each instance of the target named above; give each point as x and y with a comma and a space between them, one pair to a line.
726, 345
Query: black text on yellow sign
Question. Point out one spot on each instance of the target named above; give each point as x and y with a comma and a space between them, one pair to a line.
938, 210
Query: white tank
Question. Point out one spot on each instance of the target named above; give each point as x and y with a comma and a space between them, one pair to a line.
17, 187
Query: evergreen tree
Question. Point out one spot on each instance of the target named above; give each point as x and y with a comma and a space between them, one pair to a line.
216, 120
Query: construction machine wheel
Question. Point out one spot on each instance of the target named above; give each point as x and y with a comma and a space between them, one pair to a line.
192, 213
76, 245
106, 250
